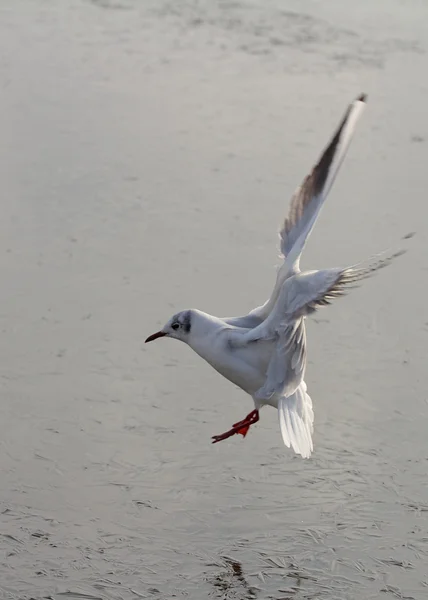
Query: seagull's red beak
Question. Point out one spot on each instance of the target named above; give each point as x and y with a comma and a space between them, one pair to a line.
155, 336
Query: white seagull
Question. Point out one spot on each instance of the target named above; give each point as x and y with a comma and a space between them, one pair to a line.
264, 352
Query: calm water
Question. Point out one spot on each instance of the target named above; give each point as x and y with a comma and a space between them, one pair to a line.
148, 153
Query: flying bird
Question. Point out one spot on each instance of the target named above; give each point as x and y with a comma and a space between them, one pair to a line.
264, 352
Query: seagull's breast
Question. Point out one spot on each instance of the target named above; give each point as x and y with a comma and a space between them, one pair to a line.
244, 366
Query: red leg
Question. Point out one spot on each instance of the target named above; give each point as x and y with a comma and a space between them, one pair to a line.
249, 417
241, 427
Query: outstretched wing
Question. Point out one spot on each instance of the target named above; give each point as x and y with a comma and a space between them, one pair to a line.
300, 296
287, 364
309, 198
305, 207
310, 290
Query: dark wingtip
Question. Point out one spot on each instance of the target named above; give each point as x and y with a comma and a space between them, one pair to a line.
362, 98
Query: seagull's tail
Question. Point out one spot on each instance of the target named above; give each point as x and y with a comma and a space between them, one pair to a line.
296, 421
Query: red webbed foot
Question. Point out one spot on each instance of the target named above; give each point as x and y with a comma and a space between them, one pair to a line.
240, 427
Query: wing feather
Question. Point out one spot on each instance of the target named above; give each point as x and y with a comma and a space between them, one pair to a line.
308, 199
305, 206
300, 296
318, 288
287, 365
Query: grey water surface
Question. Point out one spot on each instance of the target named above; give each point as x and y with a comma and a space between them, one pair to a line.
148, 152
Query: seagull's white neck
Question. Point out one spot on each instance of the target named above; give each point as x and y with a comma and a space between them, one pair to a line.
204, 329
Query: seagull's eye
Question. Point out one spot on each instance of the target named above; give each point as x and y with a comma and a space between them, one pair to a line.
175, 325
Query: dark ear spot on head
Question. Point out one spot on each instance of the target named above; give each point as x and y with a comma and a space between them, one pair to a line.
187, 321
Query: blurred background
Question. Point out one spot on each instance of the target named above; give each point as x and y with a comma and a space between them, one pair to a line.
148, 153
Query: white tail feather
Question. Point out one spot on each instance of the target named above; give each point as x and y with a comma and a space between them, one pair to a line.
296, 421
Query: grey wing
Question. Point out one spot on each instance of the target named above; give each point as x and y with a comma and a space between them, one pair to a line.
249, 321
308, 199
288, 361
310, 290
300, 296
305, 206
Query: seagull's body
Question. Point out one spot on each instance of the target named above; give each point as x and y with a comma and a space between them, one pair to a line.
217, 342
264, 352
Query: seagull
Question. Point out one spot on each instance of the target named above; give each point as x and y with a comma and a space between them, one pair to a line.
264, 352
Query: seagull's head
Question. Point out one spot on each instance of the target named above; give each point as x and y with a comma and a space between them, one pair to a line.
178, 327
